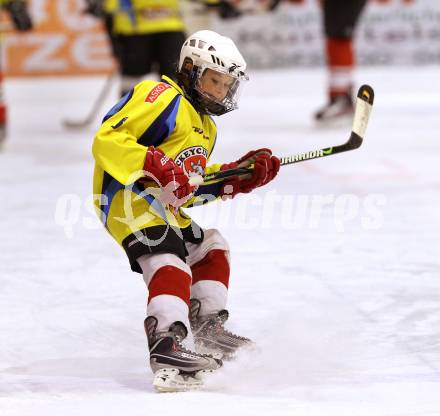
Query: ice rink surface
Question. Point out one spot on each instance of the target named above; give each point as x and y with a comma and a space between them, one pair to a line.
335, 265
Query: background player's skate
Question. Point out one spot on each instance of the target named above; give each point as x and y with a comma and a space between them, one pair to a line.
337, 112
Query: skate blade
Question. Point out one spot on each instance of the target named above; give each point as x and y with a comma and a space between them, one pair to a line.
170, 380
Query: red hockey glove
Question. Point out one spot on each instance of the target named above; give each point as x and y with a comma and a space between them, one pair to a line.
266, 167
174, 183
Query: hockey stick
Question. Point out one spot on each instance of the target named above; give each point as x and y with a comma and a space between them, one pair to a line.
93, 112
364, 103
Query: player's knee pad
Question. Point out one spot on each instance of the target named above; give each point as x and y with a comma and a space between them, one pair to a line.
212, 240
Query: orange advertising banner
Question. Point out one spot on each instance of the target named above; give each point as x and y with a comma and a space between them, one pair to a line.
64, 41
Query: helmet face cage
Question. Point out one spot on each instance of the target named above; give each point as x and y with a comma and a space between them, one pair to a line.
211, 104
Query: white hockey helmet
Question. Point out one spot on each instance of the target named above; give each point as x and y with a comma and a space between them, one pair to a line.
208, 50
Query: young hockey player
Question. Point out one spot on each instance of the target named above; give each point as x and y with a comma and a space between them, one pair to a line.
149, 145
340, 18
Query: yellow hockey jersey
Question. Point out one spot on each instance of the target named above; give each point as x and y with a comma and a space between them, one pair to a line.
152, 114
135, 17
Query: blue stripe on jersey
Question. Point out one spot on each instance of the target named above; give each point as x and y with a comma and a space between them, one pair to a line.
154, 203
119, 105
109, 192
162, 126
127, 7
113, 186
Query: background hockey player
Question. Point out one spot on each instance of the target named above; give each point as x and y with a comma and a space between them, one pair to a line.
17, 10
340, 18
339, 21
150, 143
146, 36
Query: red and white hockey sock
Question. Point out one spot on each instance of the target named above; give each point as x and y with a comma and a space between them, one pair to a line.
169, 280
210, 281
340, 60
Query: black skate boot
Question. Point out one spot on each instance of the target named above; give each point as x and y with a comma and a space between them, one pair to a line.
339, 109
210, 334
175, 367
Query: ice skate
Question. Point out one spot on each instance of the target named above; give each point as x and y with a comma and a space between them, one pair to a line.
338, 111
176, 368
211, 336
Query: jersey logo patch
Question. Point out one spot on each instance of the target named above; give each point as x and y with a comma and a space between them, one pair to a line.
156, 91
192, 160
